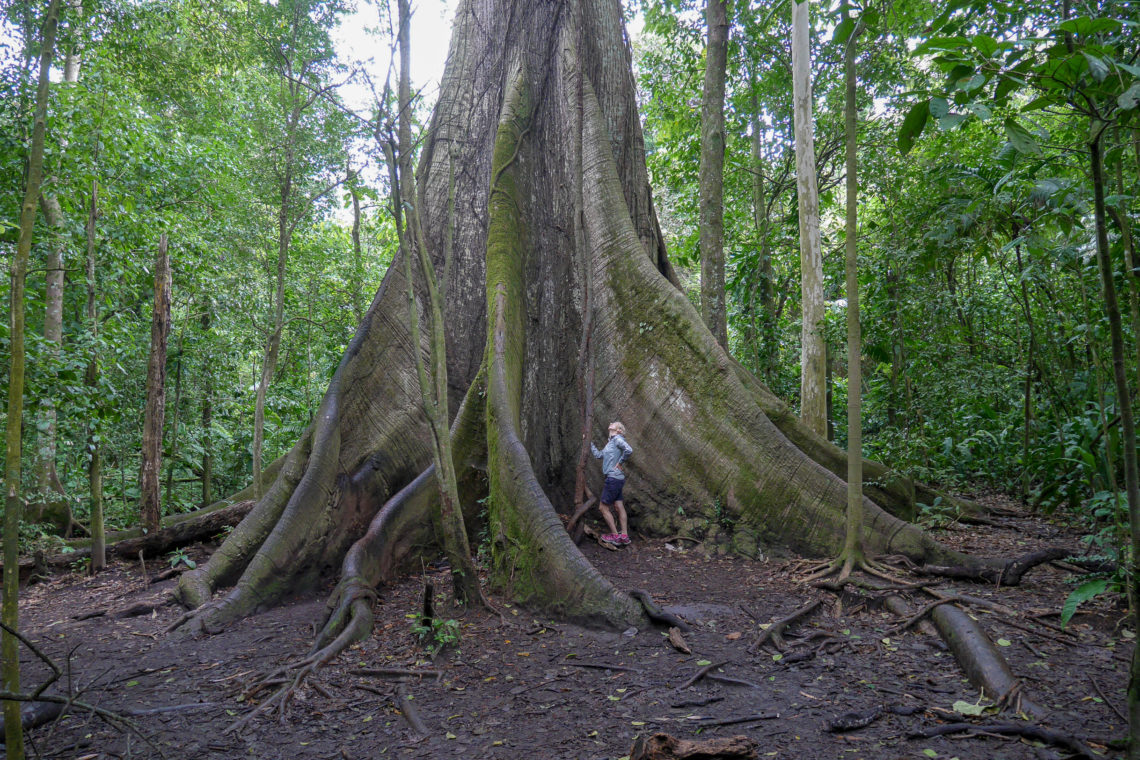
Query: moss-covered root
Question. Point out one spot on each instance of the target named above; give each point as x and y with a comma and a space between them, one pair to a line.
278, 551
532, 553
196, 587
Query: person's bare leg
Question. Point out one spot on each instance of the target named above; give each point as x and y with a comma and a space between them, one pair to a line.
608, 516
622, 517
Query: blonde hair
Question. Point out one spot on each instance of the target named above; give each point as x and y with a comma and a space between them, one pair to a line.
620, 428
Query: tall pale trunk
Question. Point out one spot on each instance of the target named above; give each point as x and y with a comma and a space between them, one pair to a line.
711, 235
813, 395
51, 503
13, 500
150, 467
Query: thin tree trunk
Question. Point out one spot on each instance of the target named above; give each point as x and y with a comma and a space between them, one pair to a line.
1030, 359
853, 541
150, 466
1128, 428
207, 420
13, 501
711, 174
174, 422
273, 342
813, 391
357, 251
91, 378
760, 219
51, 504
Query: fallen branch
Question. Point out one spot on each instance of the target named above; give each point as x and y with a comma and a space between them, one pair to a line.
603, 666
1009, 574
406, 705
1023, 730
777, 628
741, 719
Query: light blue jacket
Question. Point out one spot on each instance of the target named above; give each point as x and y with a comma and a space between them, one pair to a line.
615, 452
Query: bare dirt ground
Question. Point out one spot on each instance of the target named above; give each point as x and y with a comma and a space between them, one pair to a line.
534, 687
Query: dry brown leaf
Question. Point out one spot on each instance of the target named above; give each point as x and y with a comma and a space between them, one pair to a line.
678, 641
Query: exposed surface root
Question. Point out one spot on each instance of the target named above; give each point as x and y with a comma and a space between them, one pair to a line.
775, 631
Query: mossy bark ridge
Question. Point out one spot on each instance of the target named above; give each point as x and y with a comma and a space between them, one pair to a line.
535, 153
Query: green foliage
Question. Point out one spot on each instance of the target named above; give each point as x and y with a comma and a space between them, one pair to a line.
441, 634
179, 557
1082, 593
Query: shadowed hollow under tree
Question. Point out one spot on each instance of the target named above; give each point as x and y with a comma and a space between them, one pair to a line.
537, 123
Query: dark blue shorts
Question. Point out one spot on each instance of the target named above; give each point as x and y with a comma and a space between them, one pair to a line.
611, 492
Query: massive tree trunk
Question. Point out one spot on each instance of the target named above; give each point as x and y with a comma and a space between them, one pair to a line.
536, 137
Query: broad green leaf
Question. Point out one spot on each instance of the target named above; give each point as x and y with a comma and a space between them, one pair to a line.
843, 30
950, 121
1085, 26
1020, 139
1082, 593
1133, 70
1097, 67
973, 83
968, 708
913, 125
1003, 642
1130, 98
939, 107
983, 112
985, 44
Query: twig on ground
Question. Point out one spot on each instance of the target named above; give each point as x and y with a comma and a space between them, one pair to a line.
701, 674
1108, 701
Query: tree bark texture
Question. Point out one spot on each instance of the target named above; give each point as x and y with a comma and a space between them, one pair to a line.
536, 140
51, 503
711, 174
13, 500
150, 467
853, 544
813, 394
91, 380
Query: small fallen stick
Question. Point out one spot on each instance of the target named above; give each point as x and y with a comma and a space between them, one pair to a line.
701, 674
741, 719
603, 666
396, 673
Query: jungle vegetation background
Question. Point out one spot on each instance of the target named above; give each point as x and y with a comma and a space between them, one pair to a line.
224, 126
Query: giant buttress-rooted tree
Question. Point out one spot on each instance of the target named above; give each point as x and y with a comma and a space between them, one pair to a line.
536, 138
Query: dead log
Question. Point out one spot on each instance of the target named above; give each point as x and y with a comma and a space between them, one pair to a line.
1024, 730
1009, 574
665, 747
182, 533
980, 659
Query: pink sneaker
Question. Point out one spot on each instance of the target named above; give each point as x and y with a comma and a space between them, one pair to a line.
613, 539
624, 539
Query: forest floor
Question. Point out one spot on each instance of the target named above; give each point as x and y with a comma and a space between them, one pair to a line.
533, 687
